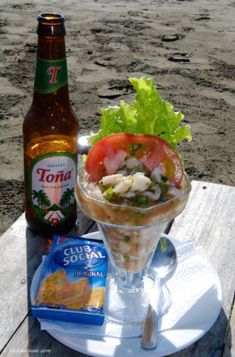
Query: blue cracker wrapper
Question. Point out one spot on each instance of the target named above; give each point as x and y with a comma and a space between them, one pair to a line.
71, 281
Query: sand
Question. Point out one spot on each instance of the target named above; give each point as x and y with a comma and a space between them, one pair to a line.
186, 46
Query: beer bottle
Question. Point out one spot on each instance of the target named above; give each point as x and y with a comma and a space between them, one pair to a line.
50, 131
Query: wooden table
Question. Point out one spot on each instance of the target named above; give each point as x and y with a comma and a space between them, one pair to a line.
208, 220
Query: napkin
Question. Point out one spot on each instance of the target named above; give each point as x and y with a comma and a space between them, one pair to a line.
191, 287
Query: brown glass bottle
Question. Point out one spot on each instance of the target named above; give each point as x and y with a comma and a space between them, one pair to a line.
50, 132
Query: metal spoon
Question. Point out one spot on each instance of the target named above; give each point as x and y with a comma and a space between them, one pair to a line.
164, 260
162, 266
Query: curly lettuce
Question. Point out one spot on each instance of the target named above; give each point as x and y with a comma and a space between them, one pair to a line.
147, 114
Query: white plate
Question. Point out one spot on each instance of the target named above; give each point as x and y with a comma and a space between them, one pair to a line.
193, 325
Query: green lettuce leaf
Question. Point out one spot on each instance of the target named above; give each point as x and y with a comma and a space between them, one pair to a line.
147, 114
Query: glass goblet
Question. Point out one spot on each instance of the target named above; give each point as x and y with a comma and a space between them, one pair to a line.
131, 235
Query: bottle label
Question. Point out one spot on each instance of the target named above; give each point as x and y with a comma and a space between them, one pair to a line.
53, 178
50, 75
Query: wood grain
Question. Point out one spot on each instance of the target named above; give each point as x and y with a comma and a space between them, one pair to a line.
209, 221
29, 340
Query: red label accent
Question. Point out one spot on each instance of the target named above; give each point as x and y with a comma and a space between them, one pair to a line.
53, 71
46, 176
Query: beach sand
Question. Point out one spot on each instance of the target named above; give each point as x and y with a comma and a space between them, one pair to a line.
186, 46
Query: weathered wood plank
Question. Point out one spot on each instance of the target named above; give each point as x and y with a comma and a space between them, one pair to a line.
20, 254
29, 340
229, 348
209, 221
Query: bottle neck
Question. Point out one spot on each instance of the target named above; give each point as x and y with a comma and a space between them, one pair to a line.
51, 79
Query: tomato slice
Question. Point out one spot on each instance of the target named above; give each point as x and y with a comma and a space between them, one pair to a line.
107, 155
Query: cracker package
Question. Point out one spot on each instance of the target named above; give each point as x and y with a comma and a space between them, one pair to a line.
71, 281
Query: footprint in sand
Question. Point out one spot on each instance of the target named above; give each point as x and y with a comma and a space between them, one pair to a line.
31, 47
172, 37
23, 6
203, 18
180, 57
3, 23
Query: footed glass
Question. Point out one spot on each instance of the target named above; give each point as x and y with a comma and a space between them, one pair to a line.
131, 235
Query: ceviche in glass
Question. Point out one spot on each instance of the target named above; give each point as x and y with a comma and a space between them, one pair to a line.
132, 184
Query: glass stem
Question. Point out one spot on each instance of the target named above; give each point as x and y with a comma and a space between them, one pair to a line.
130, 282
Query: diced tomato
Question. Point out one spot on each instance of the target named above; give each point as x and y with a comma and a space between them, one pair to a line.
108, 154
